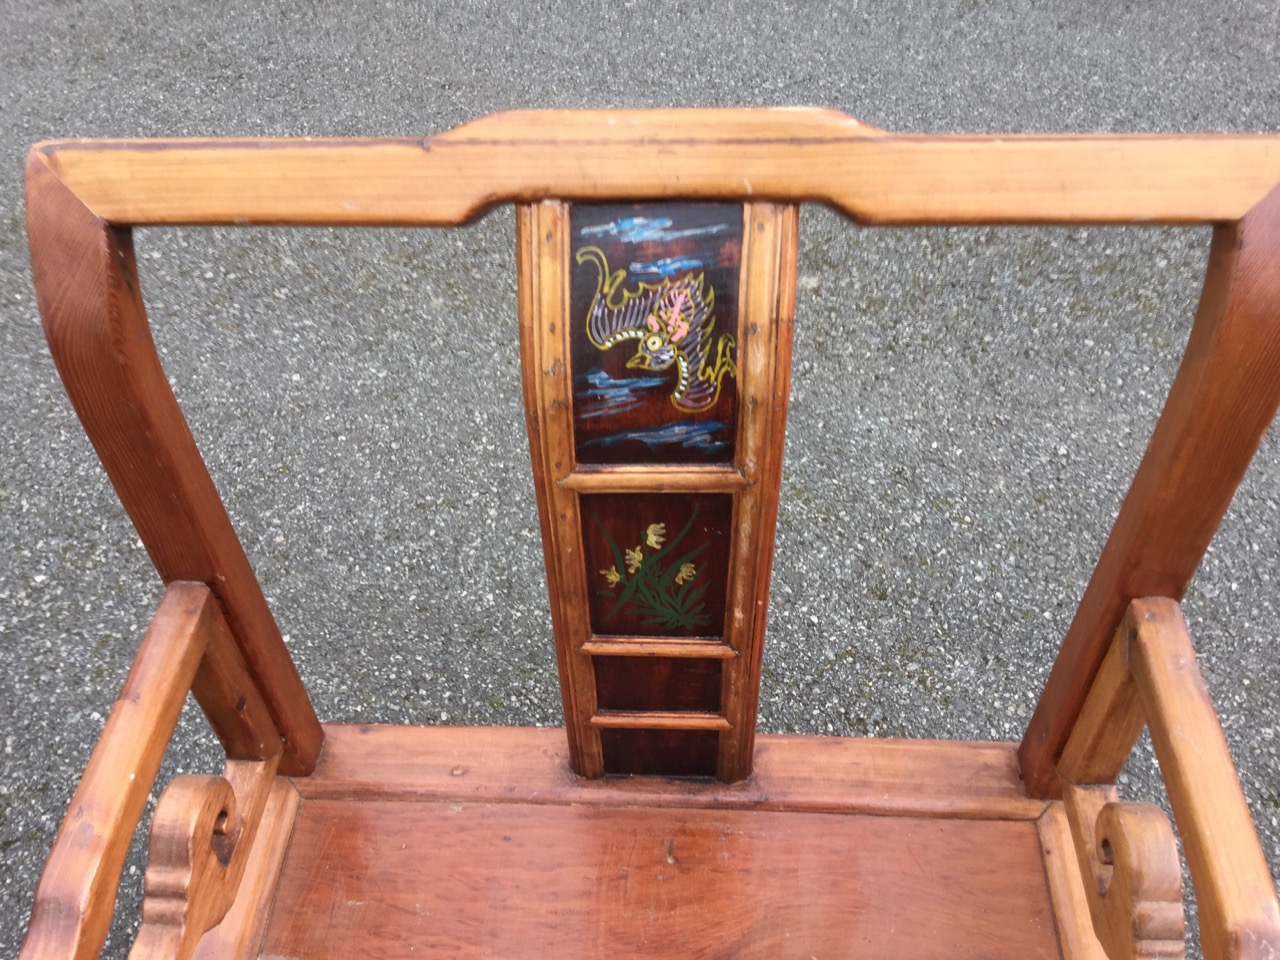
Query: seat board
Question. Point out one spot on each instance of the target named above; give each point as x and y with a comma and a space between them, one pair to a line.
456, 879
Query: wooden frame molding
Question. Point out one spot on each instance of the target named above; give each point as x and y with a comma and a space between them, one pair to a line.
96, 324
766, 303
941, 779
1239, 912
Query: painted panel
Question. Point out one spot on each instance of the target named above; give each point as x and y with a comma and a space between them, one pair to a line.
654, 306
657, 564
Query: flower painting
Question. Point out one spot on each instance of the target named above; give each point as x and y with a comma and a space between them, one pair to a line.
657, 564
660, 586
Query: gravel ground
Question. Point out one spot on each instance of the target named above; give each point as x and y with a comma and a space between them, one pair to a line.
968, 408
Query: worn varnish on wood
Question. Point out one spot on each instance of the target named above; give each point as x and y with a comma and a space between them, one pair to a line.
656, 255
786, 864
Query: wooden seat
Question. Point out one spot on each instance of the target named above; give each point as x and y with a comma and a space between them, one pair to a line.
656, 253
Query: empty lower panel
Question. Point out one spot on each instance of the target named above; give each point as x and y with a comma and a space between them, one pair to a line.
668, 753
657, 683
448, 879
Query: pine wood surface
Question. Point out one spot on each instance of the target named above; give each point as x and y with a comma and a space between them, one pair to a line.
1076, 937
782, 155
815, 774
1128, 859
768, 321
658, 720
1239, 913
654, 479
1220, 406
231, 701
465, 879
1110, 720
202, 835
77, 891
239, 934
96, 326
542, 250
649, 647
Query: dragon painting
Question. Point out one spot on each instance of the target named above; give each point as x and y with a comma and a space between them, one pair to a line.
673, 322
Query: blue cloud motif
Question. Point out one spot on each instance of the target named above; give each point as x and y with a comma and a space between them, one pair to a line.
706, 435
642, 229
666, 267
605, 395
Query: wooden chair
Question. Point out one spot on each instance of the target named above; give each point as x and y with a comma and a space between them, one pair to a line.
656, 254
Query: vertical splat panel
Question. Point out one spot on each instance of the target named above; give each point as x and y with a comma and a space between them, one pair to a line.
656, 342
654, 298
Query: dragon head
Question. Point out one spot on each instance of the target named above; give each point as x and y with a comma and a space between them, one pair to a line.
654, 353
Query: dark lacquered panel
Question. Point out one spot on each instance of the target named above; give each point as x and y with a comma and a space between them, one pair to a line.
666, 753
654, 303
657, 564
657, 683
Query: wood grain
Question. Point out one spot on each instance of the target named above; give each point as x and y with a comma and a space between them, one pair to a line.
1128, 862
658, 720
654, 479
201, 837
1066, 888
77, 891
764, 364
230, 698
787, 155
1239, 914
96, 326
542, 242
1110, 721
204, 828
240, 933
462, 880
1222, 401
654, 647
814, 774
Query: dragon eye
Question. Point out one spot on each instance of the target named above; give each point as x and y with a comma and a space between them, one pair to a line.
652, 343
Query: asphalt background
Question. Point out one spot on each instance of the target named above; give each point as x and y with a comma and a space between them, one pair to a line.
968, 407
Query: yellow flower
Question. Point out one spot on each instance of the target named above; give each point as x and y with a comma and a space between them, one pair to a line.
656, 533
612, 576
687, 572
634, 558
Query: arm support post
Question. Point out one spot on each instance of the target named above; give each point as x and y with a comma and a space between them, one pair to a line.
94, 320
1239, 915
77, 891
1220, 405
